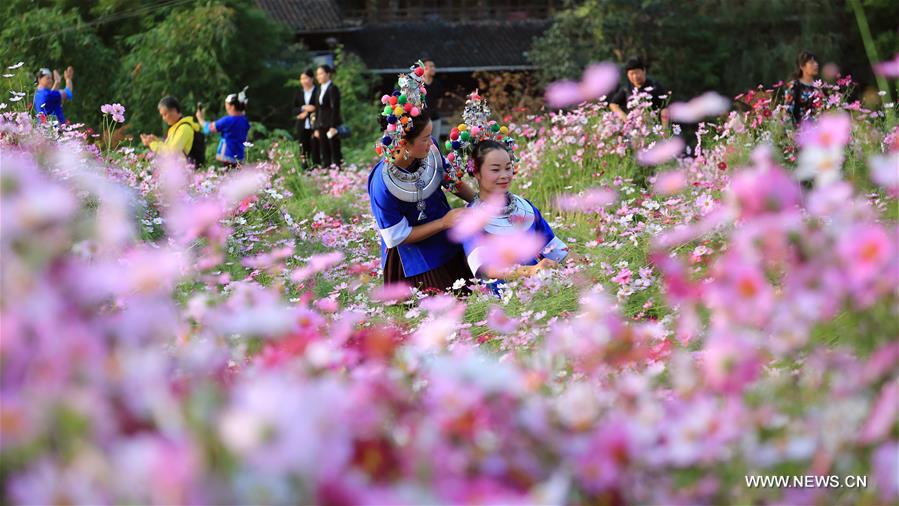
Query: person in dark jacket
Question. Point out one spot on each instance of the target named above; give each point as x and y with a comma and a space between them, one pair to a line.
803, 97
304, 111
638, 82
327, 117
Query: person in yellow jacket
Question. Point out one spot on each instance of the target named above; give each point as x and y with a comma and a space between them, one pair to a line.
181, 134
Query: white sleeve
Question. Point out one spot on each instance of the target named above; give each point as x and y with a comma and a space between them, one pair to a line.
395, 235
556, 250
474, 260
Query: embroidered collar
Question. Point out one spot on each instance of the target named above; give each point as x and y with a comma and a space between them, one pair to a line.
516, 215
415, 186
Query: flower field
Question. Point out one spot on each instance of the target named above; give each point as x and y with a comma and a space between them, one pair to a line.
171, 336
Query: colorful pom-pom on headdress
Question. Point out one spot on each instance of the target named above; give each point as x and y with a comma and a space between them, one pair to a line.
476, 126
401, 108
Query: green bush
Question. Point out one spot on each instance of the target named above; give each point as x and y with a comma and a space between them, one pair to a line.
357, 106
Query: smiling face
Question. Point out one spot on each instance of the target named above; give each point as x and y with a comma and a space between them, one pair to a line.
495, 172
45, 81
420, 146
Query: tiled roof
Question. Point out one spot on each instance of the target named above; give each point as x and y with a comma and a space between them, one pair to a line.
463, 46
305, 16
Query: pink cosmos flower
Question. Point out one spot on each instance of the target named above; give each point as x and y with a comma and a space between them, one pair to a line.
730, 363
865, 251
188, 221
316, 264
885, 171
669, 183
830, 130
883, 415
623, 277
763, 190
504, 251
117, 111
598, 80
241, 185
392, 292
889, 68
592, 200
707, 104
705, 203
885, 464
741, 290
500, 322
607, 457
474, 219
563, 93
661, 152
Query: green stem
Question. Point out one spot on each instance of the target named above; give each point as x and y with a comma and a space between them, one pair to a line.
871, 51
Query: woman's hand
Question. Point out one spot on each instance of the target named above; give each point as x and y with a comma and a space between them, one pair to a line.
308, 108
69, 73
332, 132
315, 134
146, 139
451, 218
546, 263
302, 115
199, 115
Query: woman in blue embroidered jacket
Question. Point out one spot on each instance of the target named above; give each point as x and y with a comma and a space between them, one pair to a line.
233, 128
407, 198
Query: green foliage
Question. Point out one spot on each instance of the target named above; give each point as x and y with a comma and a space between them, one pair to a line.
136, 52
357, 105
52, 36
698, 45
180, 56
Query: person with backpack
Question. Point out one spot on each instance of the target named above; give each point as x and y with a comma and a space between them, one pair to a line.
184, 135
233, 128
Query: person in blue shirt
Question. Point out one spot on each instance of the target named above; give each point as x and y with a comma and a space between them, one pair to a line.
233, 128
48, 99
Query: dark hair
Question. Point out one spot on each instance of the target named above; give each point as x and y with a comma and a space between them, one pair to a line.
803, 58
308, 73
327, 68
479, 153
417, 128
633, 63
238, 100
170, 102
428, 59
240, 106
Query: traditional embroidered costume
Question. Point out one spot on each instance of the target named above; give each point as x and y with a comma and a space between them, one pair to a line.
402, 198
519, 215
